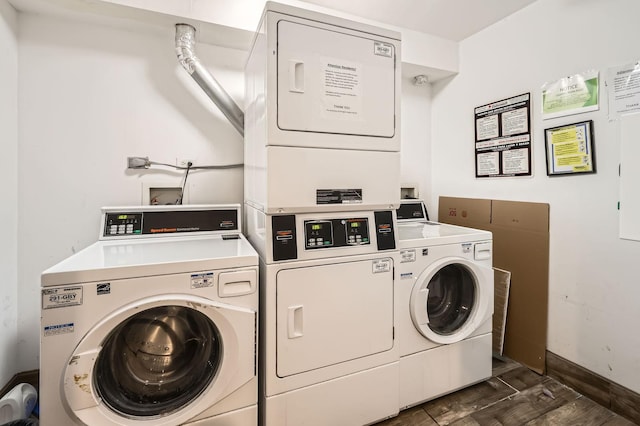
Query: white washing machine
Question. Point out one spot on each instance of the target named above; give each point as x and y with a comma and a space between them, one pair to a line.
328, 354
444, 296
154, 324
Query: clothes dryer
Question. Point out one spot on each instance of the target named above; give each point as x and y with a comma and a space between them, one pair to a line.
154, 324
444, 306
328, 353
322, 120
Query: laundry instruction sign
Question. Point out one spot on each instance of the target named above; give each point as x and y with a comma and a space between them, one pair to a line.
503, 137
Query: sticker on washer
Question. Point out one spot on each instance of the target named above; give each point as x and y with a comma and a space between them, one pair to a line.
54, 330
383, 49
61, 297
339, 196
383, 265
406, 275
202, 280
407, 256
103, 288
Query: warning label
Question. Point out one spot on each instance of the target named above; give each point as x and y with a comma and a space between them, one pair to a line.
339, 196
202, 280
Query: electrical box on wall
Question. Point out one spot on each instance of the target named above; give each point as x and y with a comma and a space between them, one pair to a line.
408, 191
163, 194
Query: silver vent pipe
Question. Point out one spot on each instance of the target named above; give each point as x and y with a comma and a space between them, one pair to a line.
185, 49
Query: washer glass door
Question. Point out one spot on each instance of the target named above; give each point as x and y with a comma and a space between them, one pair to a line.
157, 361
450, 299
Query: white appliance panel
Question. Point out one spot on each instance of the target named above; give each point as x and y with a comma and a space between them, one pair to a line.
429, 374
333, 313
330, 81
332, 402
298, 174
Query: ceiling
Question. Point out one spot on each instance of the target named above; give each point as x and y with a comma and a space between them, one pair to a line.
449, 19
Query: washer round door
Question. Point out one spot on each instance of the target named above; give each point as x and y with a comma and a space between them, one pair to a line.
451, 299
160, 361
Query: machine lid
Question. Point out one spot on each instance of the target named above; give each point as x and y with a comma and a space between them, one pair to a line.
414, 234
120, 259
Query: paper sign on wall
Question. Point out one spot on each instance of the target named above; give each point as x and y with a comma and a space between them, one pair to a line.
503, 137
574, 94
623, 87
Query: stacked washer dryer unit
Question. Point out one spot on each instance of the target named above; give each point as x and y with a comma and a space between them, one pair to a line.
444, 296
154, 324
322, 173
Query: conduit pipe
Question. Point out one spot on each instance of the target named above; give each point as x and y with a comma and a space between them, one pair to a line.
185, 49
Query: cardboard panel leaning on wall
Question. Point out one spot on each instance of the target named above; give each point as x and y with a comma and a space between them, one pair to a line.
520, 246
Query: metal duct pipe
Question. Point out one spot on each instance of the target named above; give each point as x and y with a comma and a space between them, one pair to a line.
185, 49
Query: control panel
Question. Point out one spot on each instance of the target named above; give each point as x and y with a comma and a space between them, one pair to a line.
305, 236
134, 222
336, 233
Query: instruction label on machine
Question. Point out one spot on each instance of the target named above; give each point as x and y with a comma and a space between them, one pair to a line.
341, 89
382, 265
61, 297
339, 196
202, 280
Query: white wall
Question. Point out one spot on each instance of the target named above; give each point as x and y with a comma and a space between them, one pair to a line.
594, 276
416, 137
91, 94
8, 192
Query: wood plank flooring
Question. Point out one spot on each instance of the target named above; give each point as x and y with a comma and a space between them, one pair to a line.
514, 396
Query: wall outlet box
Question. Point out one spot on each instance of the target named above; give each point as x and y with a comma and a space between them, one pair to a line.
163, 194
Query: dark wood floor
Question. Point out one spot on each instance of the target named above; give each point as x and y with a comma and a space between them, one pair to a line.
514, 396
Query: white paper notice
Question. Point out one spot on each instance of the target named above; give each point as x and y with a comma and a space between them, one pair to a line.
623, 86
515, 122
515, 161
487, 127
342, 89
488, 163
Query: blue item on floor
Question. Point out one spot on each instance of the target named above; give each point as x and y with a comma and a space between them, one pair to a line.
25, 422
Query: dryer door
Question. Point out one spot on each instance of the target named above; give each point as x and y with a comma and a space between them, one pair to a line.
333, 313
451, 299
160, 361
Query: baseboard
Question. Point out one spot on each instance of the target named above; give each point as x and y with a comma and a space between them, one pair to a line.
611, 395
32, 377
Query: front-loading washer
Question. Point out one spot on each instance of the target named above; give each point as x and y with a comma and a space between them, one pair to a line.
444, 306
154, 324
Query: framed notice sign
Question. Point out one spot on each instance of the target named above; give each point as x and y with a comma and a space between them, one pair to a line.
570, 149
503, 138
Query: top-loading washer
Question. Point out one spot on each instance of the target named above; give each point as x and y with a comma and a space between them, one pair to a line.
444, 306
154, 324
